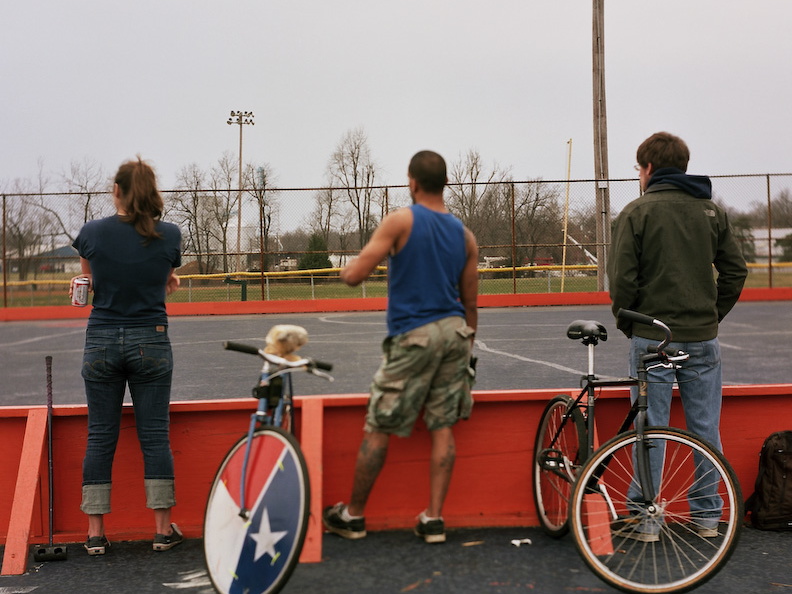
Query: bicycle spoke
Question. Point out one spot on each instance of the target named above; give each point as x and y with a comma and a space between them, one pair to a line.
657, 547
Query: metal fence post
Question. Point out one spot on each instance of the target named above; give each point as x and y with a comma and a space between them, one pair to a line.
769, 236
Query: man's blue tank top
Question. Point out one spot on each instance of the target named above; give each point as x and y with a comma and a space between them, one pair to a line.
423, 278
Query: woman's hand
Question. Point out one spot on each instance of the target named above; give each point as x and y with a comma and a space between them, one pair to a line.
71, 283
173, 283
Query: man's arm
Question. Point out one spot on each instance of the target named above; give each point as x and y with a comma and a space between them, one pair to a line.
732, 271
391, 235
623, 271
468, 282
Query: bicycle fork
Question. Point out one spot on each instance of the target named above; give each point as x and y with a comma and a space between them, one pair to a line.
257, 419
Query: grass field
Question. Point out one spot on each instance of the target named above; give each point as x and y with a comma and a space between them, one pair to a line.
194, 288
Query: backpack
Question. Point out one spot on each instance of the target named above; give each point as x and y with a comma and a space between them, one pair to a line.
770, 506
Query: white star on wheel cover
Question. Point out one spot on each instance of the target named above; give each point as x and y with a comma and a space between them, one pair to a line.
265, 538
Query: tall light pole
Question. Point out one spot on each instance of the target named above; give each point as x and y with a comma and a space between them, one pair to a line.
600, 143
240, 117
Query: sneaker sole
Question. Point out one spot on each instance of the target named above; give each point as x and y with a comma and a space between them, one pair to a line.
348, 534
93, 551
165, 547
431, 538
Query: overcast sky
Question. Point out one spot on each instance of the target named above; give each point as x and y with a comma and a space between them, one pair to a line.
104, 80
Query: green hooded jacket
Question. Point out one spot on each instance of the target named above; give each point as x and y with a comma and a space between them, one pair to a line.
666, 249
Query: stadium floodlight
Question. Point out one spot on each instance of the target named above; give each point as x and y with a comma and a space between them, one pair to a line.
241, 118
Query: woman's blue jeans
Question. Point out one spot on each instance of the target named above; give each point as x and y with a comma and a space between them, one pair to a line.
700, 388
115, 358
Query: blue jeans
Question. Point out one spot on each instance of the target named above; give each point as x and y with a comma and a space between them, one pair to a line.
142, 359
700, 387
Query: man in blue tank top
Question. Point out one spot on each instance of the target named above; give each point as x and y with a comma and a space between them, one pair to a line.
432, 318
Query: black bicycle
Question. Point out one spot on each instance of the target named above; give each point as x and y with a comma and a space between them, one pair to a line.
629, 502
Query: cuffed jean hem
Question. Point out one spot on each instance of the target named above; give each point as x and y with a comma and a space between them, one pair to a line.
96, 499
160, 493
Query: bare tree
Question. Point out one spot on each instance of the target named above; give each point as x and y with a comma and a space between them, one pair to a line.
538, 222
259, 181
26, 229
780, 211
326, 210
346, 229
472, 192
222, 204
352, 169
87, 177
191, 212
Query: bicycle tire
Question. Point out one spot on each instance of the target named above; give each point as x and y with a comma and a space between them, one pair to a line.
258, 554
553, 477
662, 547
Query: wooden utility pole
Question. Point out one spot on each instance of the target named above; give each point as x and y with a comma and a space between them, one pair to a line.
600, 144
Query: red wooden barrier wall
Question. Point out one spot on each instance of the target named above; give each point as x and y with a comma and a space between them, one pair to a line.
491, 485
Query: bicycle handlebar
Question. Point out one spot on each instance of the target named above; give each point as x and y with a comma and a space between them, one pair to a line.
640, 318
242, 348
634, 316
309, 364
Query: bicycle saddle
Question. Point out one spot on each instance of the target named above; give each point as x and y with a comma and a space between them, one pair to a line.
589, 331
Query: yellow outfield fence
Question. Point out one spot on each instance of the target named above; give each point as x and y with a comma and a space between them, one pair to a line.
324, 283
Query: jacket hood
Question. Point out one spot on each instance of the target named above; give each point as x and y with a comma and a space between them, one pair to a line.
698, 186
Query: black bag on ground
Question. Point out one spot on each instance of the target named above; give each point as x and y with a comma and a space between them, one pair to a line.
770, 506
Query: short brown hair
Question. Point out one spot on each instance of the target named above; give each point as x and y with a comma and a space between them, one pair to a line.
429, 170
663, 150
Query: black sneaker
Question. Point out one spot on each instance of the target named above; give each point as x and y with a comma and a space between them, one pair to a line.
164, 542
352, 529
97, 545
432, 531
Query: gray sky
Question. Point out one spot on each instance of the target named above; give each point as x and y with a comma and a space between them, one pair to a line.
104, 80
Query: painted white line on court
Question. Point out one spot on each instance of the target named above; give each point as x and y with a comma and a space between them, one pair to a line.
40, 338
483, 347
341, 320
731, 346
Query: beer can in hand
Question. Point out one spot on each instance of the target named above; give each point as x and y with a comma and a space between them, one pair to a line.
80, 292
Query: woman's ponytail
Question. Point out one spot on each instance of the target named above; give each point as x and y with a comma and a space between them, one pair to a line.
142, 201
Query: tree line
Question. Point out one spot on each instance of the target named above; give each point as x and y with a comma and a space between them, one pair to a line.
516, 223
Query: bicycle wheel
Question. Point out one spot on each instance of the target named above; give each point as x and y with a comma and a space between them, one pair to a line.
662, 546
257, 554
558, 454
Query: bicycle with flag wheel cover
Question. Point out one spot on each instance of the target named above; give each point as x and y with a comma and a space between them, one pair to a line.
258, 506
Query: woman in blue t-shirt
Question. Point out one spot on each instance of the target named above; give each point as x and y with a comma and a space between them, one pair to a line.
129, 259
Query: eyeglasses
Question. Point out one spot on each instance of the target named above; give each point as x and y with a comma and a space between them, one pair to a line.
637, 167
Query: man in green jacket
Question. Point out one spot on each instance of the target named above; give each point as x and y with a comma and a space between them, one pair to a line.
664, 246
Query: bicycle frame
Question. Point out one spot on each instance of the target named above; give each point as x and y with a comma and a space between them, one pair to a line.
263, 416
636, 415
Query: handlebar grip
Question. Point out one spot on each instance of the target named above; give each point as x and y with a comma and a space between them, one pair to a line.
634, 316
323, 366
242, 348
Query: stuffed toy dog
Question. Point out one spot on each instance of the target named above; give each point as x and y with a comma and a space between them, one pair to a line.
284, 339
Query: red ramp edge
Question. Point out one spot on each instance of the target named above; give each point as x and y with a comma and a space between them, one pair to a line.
208, 308
16, 551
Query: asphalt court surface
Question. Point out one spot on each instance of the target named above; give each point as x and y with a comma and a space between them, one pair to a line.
518, 348
472, 561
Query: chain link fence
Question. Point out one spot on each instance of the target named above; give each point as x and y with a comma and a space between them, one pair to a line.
272, 244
